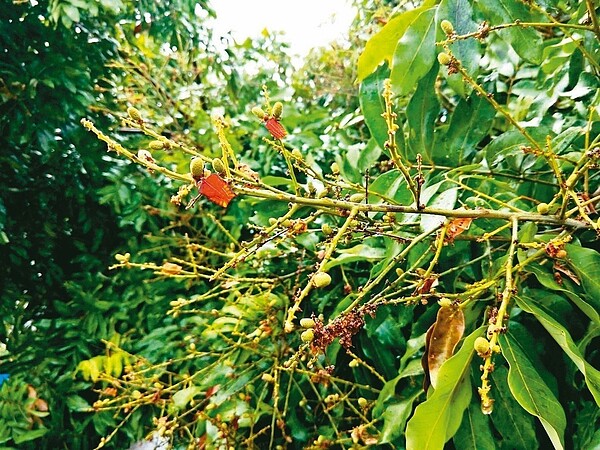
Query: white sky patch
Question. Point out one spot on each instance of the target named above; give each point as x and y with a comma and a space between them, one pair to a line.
306, 23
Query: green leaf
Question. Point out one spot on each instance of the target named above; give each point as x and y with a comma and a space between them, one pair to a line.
395, 417
30, 435
372, 104
564, 339
360, 252
381, 46
422, 113
526, 41
183, 397
514, 423
467, 51
438, 418
547, 280
415, 53
469, 125
586, 264
77, 403
392, 187
445, 200
531, 392
474, 432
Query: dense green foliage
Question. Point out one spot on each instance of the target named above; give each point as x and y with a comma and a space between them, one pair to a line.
433, 227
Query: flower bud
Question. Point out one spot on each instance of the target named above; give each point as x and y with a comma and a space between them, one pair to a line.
156, 145
482, 346
444, 302
307, 335
447, 27
543, 208
296, 154
362, 402
561, 254
307, 322
218, 166
197, 168
258, 112
444, 58
357, 198
321, 279
326, 229
134, 114
277, 110
335, 168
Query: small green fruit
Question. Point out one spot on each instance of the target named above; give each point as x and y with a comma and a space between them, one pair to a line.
307, 322
357, 198
543, 208
447, 27
482, 346
321, 279
307, 335
156, 145
197, 168
258, 112
326, 229
134, 114
218, 166
444, 58
277, 110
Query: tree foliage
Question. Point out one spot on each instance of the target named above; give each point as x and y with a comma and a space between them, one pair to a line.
412, 266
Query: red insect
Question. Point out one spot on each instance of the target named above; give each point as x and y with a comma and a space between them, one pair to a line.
275, 128
215, 189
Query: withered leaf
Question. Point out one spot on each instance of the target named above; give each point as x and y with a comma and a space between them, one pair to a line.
440, 342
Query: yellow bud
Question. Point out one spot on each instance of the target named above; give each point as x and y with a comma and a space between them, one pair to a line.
444, 302
156, 145
197, 168
134, 114
444, 59
123, 259
136, 394
296, 154
218, 166
399, 272
307, 322
543, 208
447, 27
307, 335
272, 220
268, 378
357, 198
258, 112
277, 110
321, 279
362, 402
482, 346
335, 168
326, 229
561, 254
354, 363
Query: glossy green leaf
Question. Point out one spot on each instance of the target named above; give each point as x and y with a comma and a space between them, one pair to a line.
563, 338
474, 432
391, 186
415, 53
586, 264
515, 425
372, 104
470, 123
528, 388
381, 46
422, 113
526, 41
183, 397
436, 420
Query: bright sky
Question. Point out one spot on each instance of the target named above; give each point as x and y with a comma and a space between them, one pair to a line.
306, 23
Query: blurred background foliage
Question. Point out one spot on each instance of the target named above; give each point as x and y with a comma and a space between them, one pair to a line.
72, 329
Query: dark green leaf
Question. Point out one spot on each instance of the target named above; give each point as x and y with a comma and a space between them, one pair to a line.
586, 264
563, 338
514, 423
531, 392
474, 432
